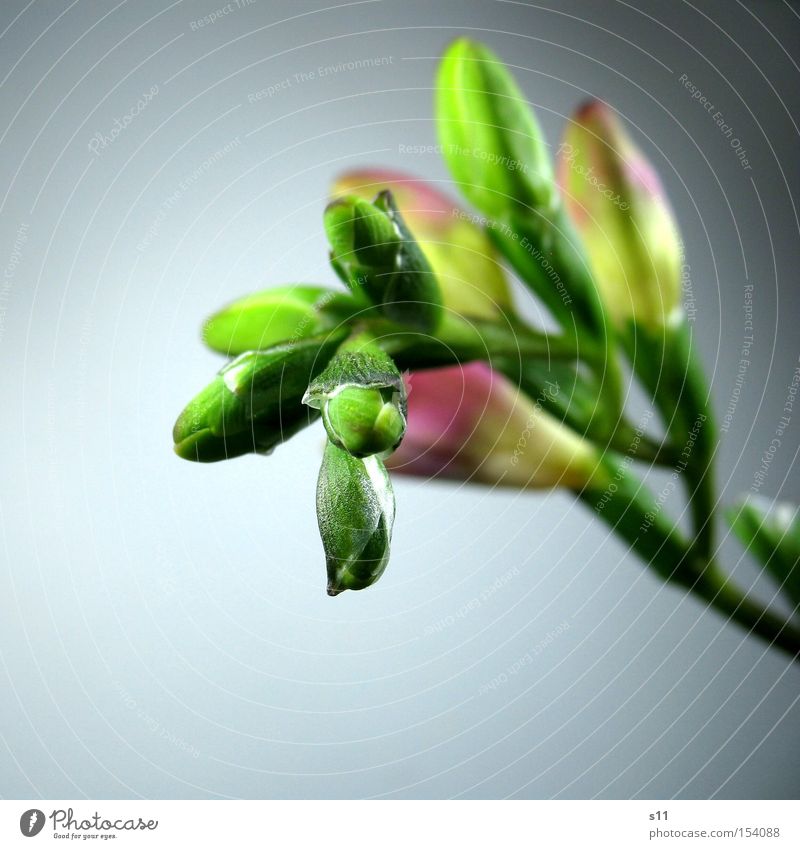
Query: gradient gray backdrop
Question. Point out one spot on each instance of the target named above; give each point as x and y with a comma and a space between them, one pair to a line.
164, 629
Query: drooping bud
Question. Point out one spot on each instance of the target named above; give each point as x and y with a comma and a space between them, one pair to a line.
375, 254
459, 250
490, 139
355, 512
620, 210
771, 531
471, 423
254, 403
363, 401
282, 314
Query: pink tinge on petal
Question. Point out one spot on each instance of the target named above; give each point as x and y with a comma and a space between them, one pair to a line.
471, 423
643, 174
460, 252
445, 408
426, 460
637, 172
415, 197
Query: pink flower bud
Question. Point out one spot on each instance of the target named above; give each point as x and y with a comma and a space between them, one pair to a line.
471, 423
619, 207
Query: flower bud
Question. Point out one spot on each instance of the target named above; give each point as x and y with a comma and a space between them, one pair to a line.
619, 208
471, 423
460, 252
360, 234
282, 314
364, 421
491, 140
355, 512
375, 254
363, 401
254, 403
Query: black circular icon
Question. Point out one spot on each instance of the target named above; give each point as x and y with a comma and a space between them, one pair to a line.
31, 822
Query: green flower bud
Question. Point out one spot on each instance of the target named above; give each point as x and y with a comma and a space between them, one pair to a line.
254, 403
461, 255
364, 421
355, 512
375, 254
496, 152
360, 234
363, 401
491, 140
282, 314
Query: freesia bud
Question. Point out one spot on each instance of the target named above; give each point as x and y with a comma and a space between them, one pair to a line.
471, 423
282, 314
459, 250
355, 512
364, 421
491, 140
619, 207
363, 401
254, 403
375, 254
361, 236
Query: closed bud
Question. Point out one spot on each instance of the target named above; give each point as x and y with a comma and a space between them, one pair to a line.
254, 403
364, 421
363, 401
375, 254
490, 139
459, 250
360, 234
355, 512
282, 314
470, 423
620, 210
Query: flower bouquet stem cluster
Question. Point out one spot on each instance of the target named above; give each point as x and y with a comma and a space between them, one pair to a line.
422, 364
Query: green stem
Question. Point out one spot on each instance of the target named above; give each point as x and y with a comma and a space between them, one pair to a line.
460, 340
647, 450
575, 405
720, 592
549, 258
666, 363
629, 509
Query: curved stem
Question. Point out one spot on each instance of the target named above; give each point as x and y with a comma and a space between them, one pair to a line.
666, 363
629, 509
721, 593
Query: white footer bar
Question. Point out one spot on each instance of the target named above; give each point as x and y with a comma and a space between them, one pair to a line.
401, 824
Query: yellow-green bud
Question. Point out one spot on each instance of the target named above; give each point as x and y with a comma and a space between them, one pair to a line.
490, 139
620, 210
282, 314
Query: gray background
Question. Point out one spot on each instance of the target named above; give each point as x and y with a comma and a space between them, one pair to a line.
164, 628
